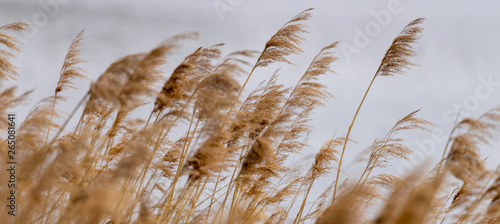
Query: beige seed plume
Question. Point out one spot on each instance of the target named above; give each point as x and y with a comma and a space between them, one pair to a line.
420, 202
397, 57
392, 209
187, 76
7, 69
258, 113
261, 150
70, 69
37, 122
348, 208
213, 95
285, 42
461, 197
464, 158
107, 87
324, 157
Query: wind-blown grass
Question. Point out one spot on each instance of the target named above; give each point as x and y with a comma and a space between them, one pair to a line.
231, 159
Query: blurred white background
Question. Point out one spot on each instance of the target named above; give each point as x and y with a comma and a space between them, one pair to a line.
458, 47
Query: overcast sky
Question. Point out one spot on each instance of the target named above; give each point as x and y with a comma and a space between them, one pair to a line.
457, 55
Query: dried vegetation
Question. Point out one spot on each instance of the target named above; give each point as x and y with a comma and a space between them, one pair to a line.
230, 160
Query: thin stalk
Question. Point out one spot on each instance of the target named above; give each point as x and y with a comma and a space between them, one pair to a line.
209, 197
295, 87
51, 116
241, 90
292, 202
347, 136
168, 197
149, 118
230, 184
299, 214
213, 195
448, 142
80, 121
157, 146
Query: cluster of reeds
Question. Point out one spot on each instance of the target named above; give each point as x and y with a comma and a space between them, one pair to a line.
204, 155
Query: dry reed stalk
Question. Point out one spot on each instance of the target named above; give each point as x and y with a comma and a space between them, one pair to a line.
396, 59
69, 71
230, 64
31, 137
419, 203
464, 161
218, 85
260, 151
308, 89
320, 167
212, 97
306, 95
138, 85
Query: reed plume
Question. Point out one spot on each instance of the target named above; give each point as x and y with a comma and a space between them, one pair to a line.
140, 84
186, 77
463, 159
107, 87
216, 92
395, 60
320, 167
70, 69
7, 69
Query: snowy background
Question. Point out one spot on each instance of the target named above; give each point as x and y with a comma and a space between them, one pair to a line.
457, 55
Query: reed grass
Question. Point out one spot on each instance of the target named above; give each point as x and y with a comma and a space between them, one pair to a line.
231, 160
